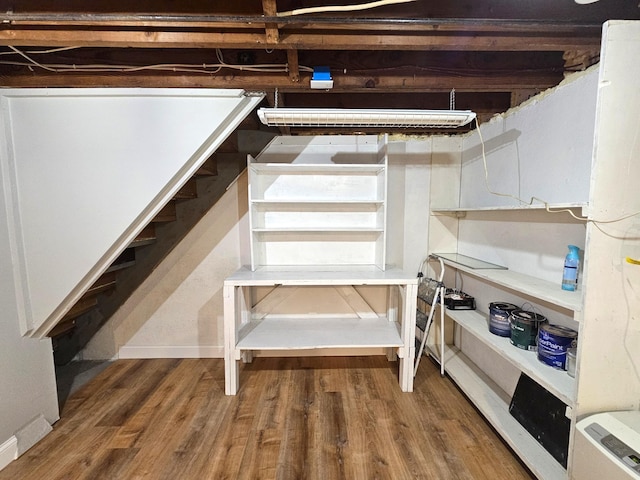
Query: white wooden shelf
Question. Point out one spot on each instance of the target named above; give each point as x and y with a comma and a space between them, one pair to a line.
493, 403
319, 275
531, 286
312, 202
577, 208
558, 382
313, 333
319, 229
319, 203
317, 168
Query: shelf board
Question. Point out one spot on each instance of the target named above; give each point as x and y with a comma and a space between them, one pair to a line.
493, 403
558, 382
320, 168
317, 275
532, 286
311, 202
318, 230
576, 208
311, 333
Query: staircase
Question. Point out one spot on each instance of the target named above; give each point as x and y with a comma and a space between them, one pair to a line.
88, 314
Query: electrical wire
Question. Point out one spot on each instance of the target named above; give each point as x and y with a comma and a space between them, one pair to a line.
204, 68
340, 8
548, 208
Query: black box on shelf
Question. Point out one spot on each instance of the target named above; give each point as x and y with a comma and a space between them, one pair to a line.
457, 300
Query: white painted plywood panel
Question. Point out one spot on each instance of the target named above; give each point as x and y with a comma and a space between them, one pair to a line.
609, 365
541, 150
87, 165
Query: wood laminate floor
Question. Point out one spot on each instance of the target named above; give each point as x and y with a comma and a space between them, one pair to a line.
319, 418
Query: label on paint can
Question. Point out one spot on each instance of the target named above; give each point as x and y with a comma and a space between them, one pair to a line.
553, 343
499, 313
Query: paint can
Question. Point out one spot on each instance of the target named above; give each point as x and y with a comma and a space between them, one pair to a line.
524, 328
499, 313
553, 343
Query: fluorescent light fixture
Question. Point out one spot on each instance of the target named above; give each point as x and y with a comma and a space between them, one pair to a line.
354, 117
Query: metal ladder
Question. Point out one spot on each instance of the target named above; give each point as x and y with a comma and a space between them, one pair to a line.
431, 291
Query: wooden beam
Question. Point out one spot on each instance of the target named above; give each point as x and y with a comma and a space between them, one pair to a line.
271, 28
307, 39
293, 66
251, 81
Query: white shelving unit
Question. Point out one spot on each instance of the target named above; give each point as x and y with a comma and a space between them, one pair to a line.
317, 215
319, 205
492, 401
579, 168
488, 397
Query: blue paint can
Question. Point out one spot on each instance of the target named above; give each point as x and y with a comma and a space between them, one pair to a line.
499, 313
553, 343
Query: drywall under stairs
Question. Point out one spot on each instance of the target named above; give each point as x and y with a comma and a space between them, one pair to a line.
81, 322
88, 170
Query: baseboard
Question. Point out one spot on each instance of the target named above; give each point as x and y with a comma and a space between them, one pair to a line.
8, 451
32, 433
206, 351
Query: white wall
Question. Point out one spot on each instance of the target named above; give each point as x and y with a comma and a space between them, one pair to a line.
81, 172
542, 149
177, 311
88, 170
27, 377
408, 201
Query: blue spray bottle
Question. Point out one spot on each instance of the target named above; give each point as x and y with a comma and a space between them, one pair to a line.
570, 273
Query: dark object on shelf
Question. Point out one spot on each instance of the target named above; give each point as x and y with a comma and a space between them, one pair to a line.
543, 415
457, 300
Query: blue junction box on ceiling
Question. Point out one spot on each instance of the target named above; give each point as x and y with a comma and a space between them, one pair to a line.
321, 78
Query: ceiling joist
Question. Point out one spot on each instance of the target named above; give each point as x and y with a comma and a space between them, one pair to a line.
495, 54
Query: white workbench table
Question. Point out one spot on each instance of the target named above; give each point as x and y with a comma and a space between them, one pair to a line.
249, 327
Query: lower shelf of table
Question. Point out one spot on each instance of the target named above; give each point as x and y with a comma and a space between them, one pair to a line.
309, 333
493, 403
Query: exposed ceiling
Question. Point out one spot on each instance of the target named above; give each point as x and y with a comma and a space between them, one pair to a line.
493, 54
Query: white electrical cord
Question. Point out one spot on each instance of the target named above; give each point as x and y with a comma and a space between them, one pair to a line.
169, 67
546, 204
340, 8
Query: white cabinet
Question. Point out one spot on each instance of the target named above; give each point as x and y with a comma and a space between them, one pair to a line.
319, 203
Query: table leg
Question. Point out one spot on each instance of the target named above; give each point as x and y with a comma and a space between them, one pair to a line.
408, 338
231, 372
